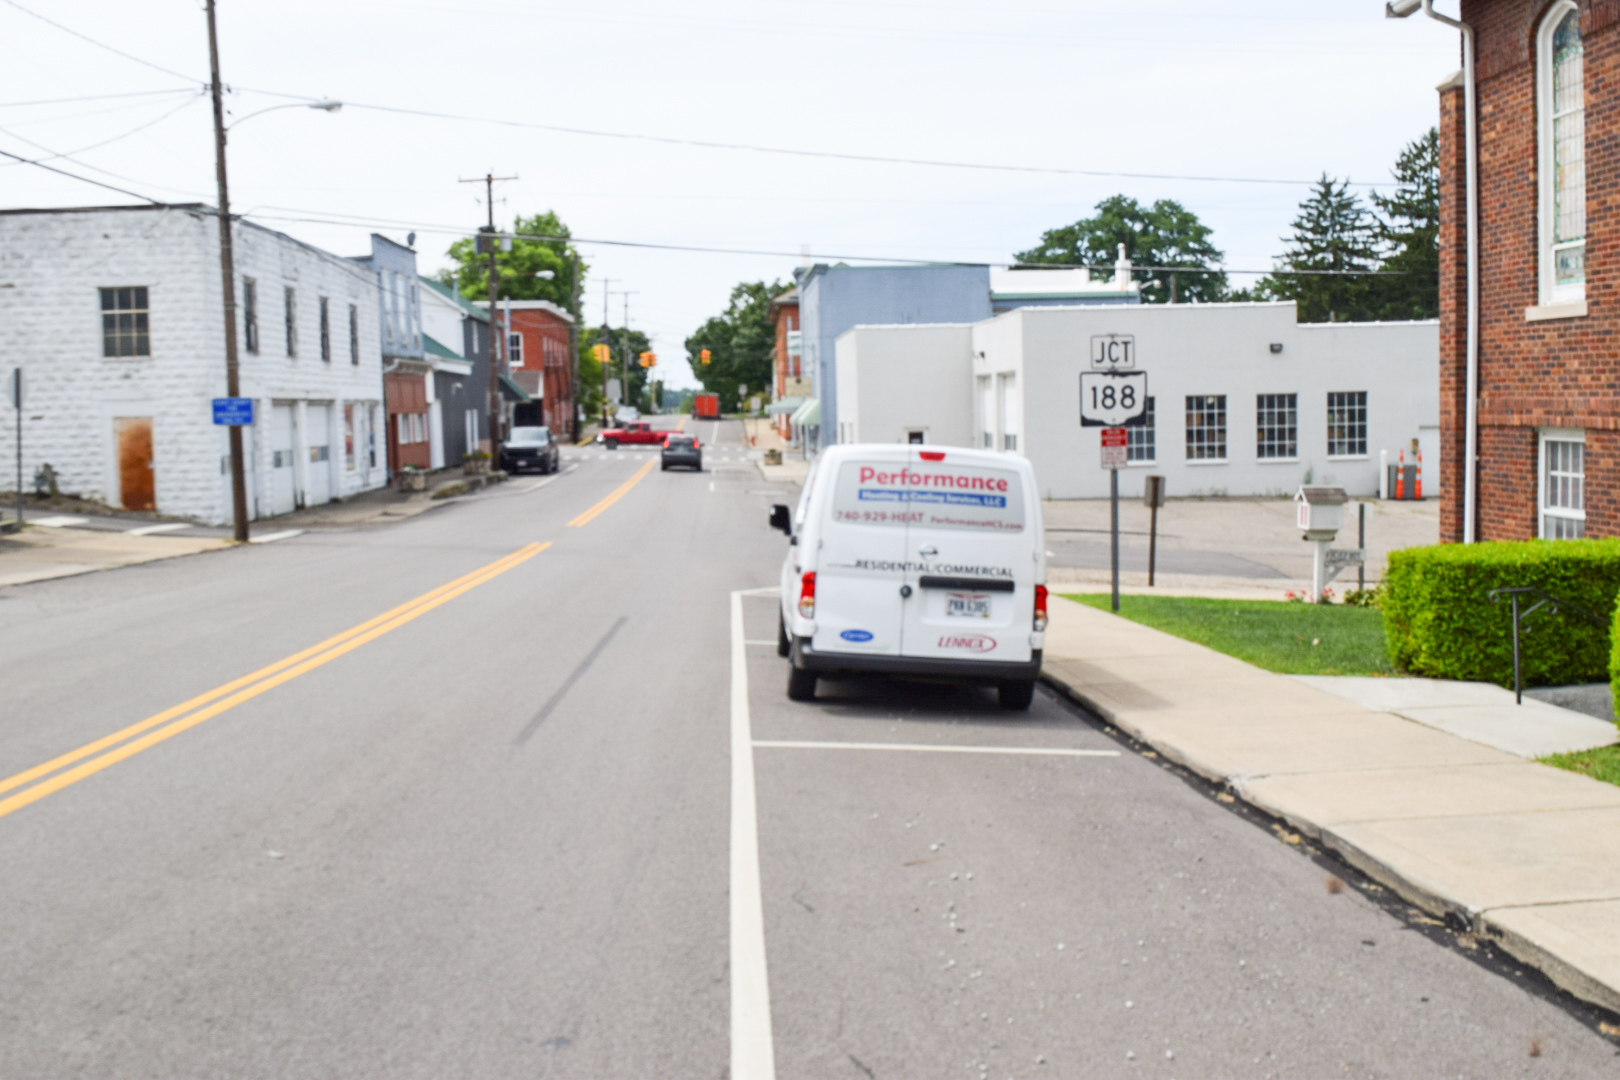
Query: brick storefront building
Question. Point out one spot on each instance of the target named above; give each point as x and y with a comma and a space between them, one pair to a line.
540, 351
1548, 367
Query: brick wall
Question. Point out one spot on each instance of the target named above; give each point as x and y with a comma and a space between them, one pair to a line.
52, 265
1554, 373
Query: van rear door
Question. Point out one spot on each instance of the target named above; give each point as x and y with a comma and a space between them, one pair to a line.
859, 564
970, 548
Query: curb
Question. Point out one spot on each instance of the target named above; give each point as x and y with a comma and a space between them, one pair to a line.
1559, 971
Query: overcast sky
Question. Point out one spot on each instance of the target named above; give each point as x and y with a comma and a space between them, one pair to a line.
1262, 89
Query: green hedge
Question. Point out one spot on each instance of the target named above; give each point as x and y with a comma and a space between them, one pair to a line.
1441, 622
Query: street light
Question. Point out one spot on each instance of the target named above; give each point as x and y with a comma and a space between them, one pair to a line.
324, 106
227, 268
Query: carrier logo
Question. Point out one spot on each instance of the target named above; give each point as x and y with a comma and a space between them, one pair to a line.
970, 642
856, 635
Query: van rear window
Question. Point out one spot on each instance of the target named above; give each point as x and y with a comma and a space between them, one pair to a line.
929, 496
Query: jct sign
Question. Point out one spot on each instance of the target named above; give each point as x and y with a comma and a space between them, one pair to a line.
1113, 352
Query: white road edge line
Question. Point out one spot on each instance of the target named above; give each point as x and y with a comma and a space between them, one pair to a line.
538, 484
753, 1053
711, 485
752, 642
1039, 750
58, 522
148, 530
272, 537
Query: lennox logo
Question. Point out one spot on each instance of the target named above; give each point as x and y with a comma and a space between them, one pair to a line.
970, 642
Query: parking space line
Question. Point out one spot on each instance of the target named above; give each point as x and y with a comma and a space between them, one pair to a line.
776, 744
753, 1054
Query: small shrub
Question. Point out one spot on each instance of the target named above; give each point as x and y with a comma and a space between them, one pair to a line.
1441, 622
1362, 597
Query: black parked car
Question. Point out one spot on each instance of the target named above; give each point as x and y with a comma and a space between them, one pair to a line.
529, 448
681, 449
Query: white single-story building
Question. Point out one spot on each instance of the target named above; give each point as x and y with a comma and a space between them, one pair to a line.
1244, 400
116, 317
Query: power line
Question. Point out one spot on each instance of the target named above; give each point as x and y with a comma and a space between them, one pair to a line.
100, 44
96, 97
356, 222
84, 179
836, 155
709, 144
68, 154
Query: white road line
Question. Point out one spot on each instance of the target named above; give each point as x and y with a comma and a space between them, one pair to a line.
753, 1054
538, 484
711, 482
148, 530
59, 522
770, 642
1037, 750
768, 590
272, 537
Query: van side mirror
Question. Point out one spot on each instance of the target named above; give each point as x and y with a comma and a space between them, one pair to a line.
782, 518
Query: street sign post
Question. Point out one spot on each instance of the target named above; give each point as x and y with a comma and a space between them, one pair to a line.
233, 411
1113, 398
17, 403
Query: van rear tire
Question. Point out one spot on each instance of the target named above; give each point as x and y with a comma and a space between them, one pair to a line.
1016, 696
801, 684
783, 645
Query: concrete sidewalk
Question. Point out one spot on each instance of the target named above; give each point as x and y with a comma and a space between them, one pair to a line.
40, 553
1523, 854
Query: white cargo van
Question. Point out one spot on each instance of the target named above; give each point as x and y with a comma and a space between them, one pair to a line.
915, 561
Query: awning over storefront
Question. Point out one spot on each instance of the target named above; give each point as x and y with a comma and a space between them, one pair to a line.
511, 391
784, 405
808, 414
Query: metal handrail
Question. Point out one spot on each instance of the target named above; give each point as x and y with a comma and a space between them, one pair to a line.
1553, 604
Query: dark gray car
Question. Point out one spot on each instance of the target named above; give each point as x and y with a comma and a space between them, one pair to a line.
530, 448
681, 449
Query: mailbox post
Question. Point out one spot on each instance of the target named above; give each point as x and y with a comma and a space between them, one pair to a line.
1320, 516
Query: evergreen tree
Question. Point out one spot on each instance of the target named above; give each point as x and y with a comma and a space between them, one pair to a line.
1333, 232
1165, 234
1409, 230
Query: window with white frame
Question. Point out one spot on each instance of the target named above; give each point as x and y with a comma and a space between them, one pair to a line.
1347, 423
514, 349
250, 314
1276, 426
292, 320
1563, 484
1140, 442
1206, 427
1561, 101
125, 330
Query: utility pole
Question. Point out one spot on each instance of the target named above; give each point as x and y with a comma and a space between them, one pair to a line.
627, 294
497, 331
573, 341
227, 271
607, 294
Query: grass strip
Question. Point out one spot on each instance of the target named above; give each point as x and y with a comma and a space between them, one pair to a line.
1278, 635
1602, 763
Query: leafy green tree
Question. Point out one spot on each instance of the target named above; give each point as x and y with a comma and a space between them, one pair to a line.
593, 376
1333, 234
741, 342
1409, 230
521, 269
1164, 235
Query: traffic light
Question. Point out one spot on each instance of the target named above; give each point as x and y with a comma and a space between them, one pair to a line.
601, 353
706, 356
649, 360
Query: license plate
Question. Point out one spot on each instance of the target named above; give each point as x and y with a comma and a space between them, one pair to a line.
967, 605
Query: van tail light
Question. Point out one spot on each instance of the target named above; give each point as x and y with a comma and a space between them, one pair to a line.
807, 595
1040, 608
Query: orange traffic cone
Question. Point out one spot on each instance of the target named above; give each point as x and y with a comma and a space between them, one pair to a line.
1419, 455
1400, 477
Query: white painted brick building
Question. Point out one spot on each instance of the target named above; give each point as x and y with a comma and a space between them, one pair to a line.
116, 317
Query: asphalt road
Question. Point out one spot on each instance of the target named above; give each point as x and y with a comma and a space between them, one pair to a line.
491, 834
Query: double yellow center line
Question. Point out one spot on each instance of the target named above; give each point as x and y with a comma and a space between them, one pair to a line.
623, 489
87, 760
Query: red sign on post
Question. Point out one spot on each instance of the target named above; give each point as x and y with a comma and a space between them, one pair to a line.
1114, 447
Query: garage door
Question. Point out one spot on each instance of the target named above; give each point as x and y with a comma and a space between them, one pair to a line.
319, 439
283, 482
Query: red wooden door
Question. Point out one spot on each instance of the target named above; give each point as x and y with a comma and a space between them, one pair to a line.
137, 485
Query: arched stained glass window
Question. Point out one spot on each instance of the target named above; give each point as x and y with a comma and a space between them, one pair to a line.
1563, 156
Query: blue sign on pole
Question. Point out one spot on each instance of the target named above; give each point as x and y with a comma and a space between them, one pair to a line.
233, 411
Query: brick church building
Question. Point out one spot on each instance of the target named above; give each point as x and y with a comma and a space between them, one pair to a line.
1544, 343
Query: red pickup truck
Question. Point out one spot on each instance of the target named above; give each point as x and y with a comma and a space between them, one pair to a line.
638, 432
